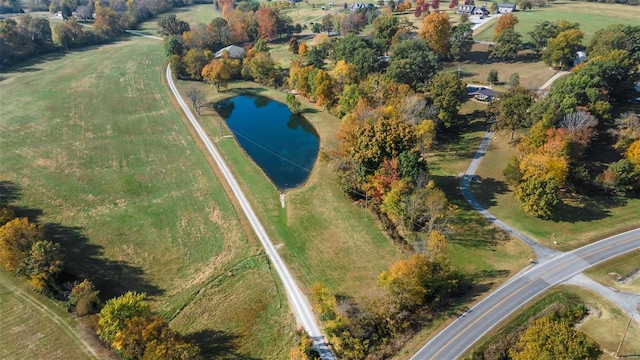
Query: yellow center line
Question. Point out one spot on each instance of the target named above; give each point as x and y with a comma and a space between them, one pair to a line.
577, 258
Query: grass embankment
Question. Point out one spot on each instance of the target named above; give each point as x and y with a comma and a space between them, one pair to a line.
34, 328
100, 154
578, 222
622, 273
605, 323
592, 17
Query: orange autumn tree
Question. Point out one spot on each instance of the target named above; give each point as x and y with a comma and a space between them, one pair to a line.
436, 30
505, 21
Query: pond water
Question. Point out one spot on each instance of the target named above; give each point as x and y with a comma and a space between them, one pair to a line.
284, 145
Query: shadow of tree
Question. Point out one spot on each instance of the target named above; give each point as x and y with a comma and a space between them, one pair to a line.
486, 190
9, 192
217, 344
86, 260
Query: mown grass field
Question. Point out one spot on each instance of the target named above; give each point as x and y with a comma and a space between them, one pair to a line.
33, 327
592, 17
627, 266
101, 156
578, 222
605, 322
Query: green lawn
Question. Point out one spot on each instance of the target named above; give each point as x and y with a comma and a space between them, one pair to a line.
102, 156
578, 223
592, 16
193, 14
605, 322
626, 266
34, 328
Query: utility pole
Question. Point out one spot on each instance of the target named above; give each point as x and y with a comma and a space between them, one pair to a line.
623, 336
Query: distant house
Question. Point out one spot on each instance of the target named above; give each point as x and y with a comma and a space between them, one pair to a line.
481, 93
480, 11
465, 9
472, 10
506, 8
235, 52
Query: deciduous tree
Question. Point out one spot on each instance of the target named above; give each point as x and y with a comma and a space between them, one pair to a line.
83, 298
266, 19
170, 25
436, 30
16, 239
115, 313
43, 264
511, 111
412, 62
549, 339
505, 21
196, 97
217, 73
538, 196
561, 50
507, 45
461, 41
448, 93
541, 33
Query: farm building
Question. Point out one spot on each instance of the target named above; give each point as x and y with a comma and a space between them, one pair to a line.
235, 52
506, 8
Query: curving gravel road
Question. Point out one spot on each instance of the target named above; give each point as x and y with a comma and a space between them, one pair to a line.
299, 304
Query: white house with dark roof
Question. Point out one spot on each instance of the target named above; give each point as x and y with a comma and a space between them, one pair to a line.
506, 8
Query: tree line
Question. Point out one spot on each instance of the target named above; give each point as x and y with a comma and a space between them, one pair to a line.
25, 36
553, 158
125, 323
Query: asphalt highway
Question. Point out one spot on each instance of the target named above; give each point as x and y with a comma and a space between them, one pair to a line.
299, 304
473, 324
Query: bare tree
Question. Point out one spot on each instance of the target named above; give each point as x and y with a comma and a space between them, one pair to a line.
197, 98
579, 121
413, 109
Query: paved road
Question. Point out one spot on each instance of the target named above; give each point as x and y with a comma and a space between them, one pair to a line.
299, 304
553, 78
552, 268
472, 325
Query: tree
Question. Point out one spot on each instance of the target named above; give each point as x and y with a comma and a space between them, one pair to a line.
461, 41
294, 45
505, 22
621, 177
412, 62
194, 61
294, 104
316, 28
196, 96
428, 210
436, 30
547, 339
347, 46
6, 215
353, 23
170, 25
384, 27
541, 33
43, 264
633, 153
173, 46
538, 196
16, 239
83, 298
152, 338
105, 21
316, 56
220, 31
561, 50
238, 26
616, 37
627, 131
448, 93
514, 79
323, 88
492, 78
217, 73
507, 45
266, 19
511, 111
327, 24
115, 313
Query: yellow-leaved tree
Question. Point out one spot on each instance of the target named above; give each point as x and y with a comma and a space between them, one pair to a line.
436, 30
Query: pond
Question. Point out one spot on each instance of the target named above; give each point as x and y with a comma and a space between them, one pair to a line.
284, 145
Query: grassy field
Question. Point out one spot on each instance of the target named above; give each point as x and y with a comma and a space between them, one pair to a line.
578, 222
604, 324
592, 17
101, 157
533, 74
627, 266
35, 328
324, 235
